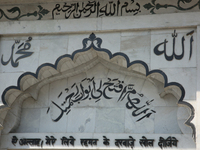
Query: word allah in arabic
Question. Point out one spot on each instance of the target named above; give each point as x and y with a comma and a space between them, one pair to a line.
174, 54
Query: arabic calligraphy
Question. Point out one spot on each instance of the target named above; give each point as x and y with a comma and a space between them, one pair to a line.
86, 9
89, 89
22, 50
95, 9
158, 52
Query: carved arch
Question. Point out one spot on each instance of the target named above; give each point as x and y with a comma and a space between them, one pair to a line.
84, 59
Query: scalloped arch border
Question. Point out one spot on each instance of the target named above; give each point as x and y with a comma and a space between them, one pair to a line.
93, 38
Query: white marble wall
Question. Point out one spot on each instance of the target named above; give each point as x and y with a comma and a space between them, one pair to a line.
106, 116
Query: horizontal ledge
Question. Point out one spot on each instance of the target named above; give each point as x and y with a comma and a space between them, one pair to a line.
108, 24
158, 21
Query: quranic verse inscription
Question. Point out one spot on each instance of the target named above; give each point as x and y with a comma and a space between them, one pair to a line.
85, 9
90, 90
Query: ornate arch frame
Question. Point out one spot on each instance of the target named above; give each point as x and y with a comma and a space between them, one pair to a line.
47, 73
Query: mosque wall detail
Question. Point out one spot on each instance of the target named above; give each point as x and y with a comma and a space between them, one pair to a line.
109, 94
106, 88
93, 9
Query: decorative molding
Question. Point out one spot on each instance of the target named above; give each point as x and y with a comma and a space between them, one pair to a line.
93, 9
40, 13
156, 6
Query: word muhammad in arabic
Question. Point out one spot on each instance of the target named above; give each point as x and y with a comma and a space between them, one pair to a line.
87, 89
22, 51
